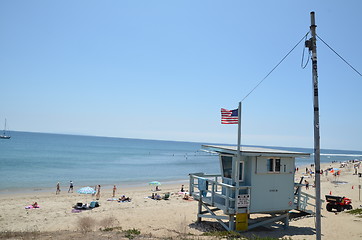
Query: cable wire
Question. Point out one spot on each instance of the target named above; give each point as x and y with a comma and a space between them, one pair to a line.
339, 56
301, 64
275, 67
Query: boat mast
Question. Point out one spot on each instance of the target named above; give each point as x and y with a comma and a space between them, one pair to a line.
5, 128
312, 45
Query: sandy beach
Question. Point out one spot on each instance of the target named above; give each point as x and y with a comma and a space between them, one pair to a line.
159, 219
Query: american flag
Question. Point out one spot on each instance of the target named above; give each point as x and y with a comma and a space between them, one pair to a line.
229, 116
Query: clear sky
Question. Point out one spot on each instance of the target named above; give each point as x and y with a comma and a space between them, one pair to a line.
163, 69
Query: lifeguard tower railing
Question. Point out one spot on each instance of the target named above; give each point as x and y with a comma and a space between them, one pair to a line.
303, 201
210, 189
222, 195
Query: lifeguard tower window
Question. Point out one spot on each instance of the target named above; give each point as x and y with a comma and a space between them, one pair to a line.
226, 162
241, 171
273, 165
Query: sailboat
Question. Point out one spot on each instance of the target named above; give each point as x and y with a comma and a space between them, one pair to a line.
4, 136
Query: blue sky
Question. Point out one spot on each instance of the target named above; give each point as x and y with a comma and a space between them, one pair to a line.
163, 69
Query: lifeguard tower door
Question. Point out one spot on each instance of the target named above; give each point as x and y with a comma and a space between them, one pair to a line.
232, 171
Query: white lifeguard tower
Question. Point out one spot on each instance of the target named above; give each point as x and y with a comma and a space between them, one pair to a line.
260, 180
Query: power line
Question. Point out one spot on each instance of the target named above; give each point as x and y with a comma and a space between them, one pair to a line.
339, 56
275, 66
301, 64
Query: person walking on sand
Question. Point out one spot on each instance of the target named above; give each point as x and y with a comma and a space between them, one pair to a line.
114, 190
70, 187
98, 195
58, 189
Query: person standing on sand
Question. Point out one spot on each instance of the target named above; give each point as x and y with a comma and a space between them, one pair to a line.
98, 192
70, 187
114, 190
95, 190
58, 189
306, 184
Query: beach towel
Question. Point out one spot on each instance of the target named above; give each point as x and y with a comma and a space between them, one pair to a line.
189, 199
31, 207
202, 185
183, 193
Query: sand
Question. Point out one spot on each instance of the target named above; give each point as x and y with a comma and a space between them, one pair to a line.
169, 218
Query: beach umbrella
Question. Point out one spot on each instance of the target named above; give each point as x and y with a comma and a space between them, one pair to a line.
334, 170
86, 190
154, 183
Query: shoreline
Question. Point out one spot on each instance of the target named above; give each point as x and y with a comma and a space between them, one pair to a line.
64, 189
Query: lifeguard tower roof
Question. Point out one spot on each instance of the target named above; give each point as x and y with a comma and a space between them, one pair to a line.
253, 151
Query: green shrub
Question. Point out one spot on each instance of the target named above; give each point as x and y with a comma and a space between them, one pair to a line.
110, 229
357, 211
130, 233
221, 234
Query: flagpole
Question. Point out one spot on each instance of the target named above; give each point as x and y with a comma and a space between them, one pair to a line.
239, 129
237, 177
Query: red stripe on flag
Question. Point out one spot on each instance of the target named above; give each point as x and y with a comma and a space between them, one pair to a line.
226, 117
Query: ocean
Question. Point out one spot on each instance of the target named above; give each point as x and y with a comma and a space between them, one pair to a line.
37, 161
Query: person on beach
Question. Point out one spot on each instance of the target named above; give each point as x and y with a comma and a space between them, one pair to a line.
182, 188
35, 205
157, 188
98, 192
70, 187
306, 184
114, 190
157, 197
124, 199
95, 190
187, 197
58, 189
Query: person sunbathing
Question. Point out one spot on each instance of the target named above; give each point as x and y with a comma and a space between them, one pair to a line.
187, 197
35, 205
124, 199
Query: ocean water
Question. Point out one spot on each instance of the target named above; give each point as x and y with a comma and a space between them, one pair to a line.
37, 161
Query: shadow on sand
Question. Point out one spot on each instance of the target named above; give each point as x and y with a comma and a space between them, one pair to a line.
275, 231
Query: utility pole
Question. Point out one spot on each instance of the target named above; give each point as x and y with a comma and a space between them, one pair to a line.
312, 45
